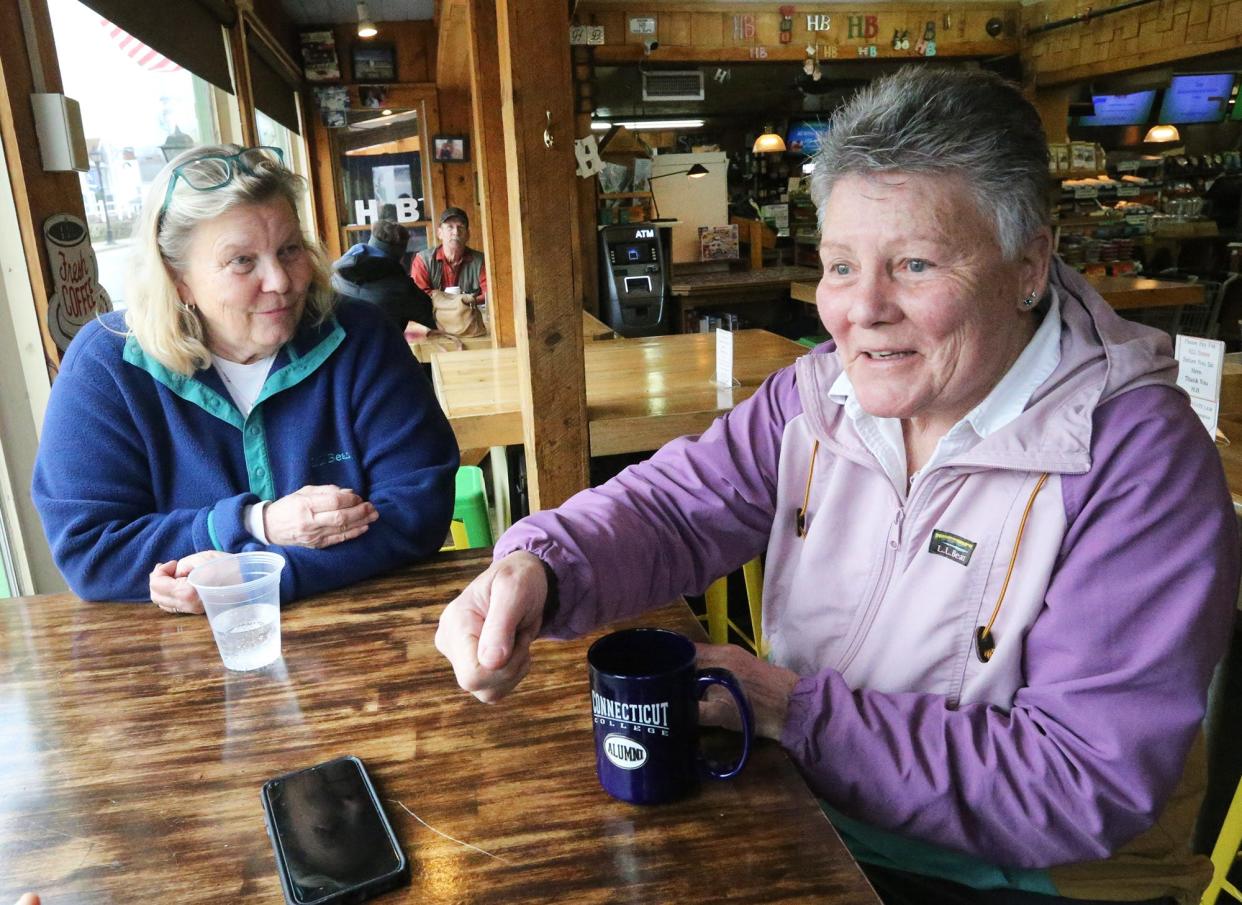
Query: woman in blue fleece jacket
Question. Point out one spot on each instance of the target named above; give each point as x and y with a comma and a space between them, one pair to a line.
234, 407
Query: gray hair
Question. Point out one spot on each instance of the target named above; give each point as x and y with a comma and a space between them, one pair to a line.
933, 120
164, 328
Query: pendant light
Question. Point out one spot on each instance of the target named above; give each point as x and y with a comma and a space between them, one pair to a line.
366, 28
1162, 133
768, 143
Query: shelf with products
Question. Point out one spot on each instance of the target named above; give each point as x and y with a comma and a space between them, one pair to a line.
623, 207
1102, 215
804, 229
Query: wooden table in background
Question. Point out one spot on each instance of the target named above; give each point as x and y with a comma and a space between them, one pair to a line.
705, 288
1120, 292
593, 330
131, 762
641, 393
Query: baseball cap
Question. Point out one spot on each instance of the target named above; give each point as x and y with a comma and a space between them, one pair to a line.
454, 212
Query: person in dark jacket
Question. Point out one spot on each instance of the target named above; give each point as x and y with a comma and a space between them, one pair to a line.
373, 273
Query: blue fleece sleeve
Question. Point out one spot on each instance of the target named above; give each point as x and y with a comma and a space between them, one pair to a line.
410, 459
92, 488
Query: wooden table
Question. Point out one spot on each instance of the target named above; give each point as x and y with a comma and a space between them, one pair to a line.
131, 761
593, 330
1120, 292
706, 287
641, 393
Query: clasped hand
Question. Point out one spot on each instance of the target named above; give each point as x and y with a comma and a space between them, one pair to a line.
317, 517
486, 633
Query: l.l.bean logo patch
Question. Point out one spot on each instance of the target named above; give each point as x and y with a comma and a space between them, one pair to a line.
624, 752
950, 546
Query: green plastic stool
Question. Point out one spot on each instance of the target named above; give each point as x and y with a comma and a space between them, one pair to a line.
470, 506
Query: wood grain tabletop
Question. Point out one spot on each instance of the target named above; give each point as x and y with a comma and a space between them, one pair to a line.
131, 763
641, 393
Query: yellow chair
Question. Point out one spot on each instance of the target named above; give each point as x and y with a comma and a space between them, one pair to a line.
1225, 853
457, 531
717, 616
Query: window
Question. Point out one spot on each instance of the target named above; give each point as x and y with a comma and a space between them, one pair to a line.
273, 133
139, 109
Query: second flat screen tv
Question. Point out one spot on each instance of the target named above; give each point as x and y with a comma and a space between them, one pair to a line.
1196, 98
1120, 109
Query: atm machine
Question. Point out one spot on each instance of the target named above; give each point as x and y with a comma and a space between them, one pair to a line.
633, 287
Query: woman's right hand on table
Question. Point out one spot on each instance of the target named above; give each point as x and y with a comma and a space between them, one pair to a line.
487, 631
170, 588
28, 898
318, 517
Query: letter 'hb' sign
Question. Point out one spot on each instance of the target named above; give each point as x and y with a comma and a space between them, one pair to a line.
369, 211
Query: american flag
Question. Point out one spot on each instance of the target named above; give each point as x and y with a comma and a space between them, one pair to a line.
140, 53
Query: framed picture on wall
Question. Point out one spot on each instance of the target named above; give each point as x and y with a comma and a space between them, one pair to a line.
319, 56
449, 148
374, 63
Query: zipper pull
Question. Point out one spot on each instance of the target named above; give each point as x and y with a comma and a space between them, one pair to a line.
800, 522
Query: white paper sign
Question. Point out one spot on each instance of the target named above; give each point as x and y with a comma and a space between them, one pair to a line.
724, 358
77, 296
1199, 366
586, 150
586, 34
642, 25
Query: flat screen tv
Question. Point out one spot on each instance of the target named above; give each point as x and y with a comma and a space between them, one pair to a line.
1196, 98
803, 136
1121, 109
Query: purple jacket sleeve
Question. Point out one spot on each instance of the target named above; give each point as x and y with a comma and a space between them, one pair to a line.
698, 509
1136, 616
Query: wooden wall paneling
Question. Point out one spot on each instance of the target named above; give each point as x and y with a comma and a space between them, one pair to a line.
707, 30
1138, 38
456, 118
674, 28
37, 194
489, 154
546, 281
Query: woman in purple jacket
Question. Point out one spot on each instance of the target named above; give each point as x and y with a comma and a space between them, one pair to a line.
1001, 556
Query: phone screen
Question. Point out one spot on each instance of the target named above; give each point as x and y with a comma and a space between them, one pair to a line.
329, 830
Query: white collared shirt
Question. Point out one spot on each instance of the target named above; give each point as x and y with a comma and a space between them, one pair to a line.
883, 436
244, 383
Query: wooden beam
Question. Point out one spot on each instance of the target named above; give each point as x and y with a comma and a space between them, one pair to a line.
240, 56
537, 101
489, 153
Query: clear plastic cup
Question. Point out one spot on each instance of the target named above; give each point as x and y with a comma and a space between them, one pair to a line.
241, 594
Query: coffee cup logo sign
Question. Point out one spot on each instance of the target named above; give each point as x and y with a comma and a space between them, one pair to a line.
649, 718
624, 752
77, 296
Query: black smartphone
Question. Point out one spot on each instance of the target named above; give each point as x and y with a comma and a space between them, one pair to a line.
333, 841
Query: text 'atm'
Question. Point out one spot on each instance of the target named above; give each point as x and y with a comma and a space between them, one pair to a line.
632, 279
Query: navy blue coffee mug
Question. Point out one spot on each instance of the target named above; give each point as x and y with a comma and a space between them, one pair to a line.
645, 691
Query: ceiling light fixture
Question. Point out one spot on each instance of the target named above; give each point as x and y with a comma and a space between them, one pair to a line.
768, 143
1162, 133
654, 124
366, 28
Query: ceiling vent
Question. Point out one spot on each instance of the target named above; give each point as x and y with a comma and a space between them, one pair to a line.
673, 86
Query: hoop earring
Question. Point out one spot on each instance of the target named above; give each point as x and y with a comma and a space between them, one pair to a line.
1029, 302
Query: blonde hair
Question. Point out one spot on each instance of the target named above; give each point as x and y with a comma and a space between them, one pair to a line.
164, 327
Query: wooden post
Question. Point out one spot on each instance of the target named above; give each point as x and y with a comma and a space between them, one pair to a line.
489, 154
241, 75
537, 101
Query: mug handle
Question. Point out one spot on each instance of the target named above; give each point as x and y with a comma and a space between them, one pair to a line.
714, 675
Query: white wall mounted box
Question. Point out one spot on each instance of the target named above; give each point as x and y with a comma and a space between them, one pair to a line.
58, 123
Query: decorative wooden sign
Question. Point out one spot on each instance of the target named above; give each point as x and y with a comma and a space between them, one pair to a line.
77, 296
818, 22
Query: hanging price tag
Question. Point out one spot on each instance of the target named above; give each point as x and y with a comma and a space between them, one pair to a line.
1086, 191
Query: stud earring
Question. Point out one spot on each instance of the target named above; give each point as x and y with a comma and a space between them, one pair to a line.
1029, 302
